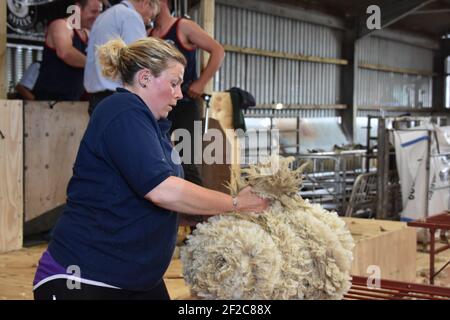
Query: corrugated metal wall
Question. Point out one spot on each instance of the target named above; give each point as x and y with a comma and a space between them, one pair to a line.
276, 80
291, 113
379, 88
18, 58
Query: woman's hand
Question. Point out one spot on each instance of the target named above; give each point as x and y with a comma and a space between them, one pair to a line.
247, 201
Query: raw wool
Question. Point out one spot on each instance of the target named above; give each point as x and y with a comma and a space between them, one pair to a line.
231, 260
294, 250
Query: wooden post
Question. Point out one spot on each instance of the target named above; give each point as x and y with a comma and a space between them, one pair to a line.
438, 98
3, 84
348, 76
207, 18
207, 23
217, 174
11, 175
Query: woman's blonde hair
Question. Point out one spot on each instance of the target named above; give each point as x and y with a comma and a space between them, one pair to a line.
119, 60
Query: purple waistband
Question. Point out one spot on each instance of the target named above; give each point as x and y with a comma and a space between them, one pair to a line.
47, 267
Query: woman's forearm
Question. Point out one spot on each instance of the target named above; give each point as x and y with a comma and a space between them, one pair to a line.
182, 196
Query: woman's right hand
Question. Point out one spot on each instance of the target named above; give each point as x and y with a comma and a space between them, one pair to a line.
248, 201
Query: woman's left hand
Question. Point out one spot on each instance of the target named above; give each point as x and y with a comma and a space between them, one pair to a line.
248, 201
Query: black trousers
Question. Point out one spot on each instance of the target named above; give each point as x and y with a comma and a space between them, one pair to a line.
183, 116
95, 99
57, 290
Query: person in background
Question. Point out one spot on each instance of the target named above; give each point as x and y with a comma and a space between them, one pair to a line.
126, 20
24, 88
64, 56
187, 36
119, 227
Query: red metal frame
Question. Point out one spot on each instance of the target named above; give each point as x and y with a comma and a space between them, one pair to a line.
437, 222
395, 290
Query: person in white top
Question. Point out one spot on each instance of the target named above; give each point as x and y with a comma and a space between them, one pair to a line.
26, 84
126, 20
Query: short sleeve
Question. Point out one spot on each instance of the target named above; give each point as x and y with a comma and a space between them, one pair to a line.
135, 150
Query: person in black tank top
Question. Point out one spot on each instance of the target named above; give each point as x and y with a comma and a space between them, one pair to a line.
187, 36
64, 57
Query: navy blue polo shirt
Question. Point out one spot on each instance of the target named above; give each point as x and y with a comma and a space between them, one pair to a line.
108, 228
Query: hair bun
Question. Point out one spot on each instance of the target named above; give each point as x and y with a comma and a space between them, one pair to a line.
110, 56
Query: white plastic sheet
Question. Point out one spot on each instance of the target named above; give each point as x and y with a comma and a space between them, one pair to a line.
411, 149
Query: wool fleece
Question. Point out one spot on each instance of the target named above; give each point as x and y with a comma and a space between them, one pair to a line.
294, 250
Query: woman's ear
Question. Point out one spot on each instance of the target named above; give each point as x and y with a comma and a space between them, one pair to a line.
144, 77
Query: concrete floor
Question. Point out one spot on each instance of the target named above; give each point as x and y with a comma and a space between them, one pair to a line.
17, 272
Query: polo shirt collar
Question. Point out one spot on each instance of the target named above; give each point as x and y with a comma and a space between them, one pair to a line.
163, 124
128, 4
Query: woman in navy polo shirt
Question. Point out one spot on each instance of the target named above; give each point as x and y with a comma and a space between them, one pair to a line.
116, 237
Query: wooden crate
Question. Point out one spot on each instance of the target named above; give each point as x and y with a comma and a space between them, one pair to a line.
38, 146
52, 137
390, 245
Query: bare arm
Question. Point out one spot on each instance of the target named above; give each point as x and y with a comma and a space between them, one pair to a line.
59, 37
200, 38
182, 196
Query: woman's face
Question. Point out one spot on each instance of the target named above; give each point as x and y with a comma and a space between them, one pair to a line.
164, 91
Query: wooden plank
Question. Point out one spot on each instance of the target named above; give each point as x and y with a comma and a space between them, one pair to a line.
178, 290
380, 67
404, 109
221, 118
11, 175
390, 245
52, 138
222, 111
207, 11
175, 270
284, 55
414, 39
301, 106
3, 80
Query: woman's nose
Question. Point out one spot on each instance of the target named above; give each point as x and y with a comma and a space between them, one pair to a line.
178, 93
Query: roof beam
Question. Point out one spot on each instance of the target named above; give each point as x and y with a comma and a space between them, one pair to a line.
432, 11
391, 12
288, 11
